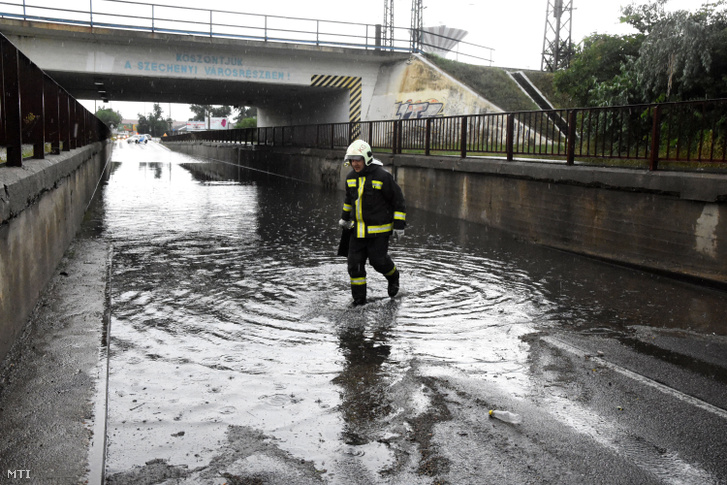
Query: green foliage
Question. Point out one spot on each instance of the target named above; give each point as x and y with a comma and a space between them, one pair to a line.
544, 81
244, 112
202, 111
492, 83
109, 117
153, 123
600, 59
675, 56
247, 123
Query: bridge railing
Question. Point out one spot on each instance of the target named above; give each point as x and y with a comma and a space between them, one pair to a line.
173, 19
685, 135
38, 116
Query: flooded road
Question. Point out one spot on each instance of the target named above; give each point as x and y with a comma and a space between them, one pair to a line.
235, 355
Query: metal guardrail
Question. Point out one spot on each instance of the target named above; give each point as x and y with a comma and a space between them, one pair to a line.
689, 132
38, 113
172, 19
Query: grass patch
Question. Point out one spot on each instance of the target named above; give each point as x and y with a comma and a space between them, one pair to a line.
492, 83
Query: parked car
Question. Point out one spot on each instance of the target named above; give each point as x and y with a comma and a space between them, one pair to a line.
138, 139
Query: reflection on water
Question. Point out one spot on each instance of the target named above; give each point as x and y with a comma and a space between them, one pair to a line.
229, 307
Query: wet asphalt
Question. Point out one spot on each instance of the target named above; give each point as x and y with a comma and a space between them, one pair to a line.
234, 356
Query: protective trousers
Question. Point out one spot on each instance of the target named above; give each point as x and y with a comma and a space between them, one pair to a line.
376, 250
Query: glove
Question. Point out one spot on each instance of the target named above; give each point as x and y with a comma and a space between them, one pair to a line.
398, 233
345, 224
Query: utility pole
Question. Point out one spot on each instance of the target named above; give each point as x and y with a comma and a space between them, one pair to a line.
416, 25
557, 45
388, 39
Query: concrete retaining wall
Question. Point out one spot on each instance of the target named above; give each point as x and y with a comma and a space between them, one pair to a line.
666, 222
42, 205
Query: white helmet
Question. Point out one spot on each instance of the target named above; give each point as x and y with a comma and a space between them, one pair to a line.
357, 149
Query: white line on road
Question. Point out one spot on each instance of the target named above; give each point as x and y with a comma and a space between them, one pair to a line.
638, 377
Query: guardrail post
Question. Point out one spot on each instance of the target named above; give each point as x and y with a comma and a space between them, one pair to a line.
510, 137
64, 119
31, 106
11, 104
52, 130
570, 155
463, 138
73, 112
428, 136
393, 136
655, 138
396, 145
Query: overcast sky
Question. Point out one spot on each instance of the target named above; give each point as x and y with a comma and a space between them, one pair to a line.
514, 29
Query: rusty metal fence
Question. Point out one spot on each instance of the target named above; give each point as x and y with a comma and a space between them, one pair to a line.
37, 115
693, 134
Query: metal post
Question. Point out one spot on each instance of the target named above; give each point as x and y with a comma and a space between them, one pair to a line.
90, 10
463, 138
31, 102
571, 141
428, 137
510, 137
393, 136
64, 120
52, 130
11, 104
655, 142
11, 117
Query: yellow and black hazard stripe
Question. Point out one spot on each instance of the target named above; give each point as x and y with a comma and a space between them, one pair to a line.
354, 86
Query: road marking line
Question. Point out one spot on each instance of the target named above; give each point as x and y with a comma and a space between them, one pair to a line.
638, 377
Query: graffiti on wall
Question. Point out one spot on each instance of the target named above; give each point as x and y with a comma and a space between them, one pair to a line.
418, 109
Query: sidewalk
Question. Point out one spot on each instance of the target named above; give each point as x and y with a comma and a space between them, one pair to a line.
53, 382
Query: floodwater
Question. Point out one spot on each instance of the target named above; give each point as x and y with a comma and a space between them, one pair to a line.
231, 314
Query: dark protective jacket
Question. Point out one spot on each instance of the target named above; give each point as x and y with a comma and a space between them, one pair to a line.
374, 201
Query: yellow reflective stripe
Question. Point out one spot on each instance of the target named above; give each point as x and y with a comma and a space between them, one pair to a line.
358, 281
351, 182
379, 229
377, 184
347, 207
391, 272
400, 216
360, 226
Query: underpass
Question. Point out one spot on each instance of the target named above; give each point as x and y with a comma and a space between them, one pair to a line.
234, 355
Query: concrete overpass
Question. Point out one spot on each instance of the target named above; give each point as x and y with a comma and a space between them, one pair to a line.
288, 83
281, 80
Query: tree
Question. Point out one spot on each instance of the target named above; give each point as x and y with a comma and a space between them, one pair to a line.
247, 123
599, 59
245, 112
153, 123
202, 111
109, 117
673, 56
676, 59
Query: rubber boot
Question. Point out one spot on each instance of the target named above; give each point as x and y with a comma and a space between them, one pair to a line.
393, 284
359, 294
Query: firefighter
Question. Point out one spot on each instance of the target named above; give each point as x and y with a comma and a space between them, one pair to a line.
373, 210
